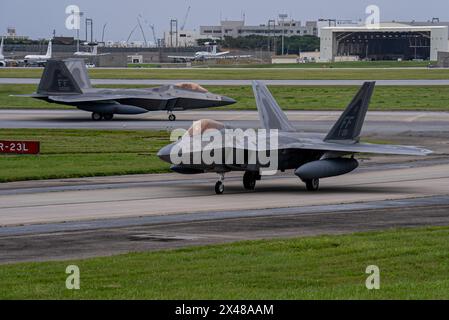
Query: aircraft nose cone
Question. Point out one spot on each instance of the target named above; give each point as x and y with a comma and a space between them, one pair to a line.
227, 101
165, 152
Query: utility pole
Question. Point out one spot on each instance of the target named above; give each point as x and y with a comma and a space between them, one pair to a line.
78, 33
282, 16
90, 23
272, 36
174, 32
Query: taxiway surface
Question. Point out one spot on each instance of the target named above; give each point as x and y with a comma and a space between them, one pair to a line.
156, 82
76, 218
308, 121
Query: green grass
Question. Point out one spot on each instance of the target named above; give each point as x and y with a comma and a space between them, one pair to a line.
414, 264
254, 74
144, 65
83, 153
346, 64
427, 98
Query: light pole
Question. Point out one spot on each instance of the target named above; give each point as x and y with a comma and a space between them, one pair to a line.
282, 16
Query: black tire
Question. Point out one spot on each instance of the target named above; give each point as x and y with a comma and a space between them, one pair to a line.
97, 116
312, 185
172, 117
249, 180
108, 116
219, 187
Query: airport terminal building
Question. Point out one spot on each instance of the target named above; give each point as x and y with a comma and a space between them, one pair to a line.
238, 28
391, 41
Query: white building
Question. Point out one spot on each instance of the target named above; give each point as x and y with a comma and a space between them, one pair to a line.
237, 28
182, 39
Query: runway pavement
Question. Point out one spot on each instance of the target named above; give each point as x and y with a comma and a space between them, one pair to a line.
173, 194
307, 121
87, 217
155, 82
73, 218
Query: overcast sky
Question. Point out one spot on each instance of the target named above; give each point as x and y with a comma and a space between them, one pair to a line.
38, 19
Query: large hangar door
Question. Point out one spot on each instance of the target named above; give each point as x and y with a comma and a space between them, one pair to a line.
384, 45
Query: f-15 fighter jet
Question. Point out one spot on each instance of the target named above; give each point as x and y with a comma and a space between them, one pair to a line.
67, 82
310, 157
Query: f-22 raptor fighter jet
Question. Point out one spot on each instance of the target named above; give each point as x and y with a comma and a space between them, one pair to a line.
310, 157
67, 82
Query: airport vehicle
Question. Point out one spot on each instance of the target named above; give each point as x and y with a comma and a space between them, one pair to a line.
311, 156
93, 53
40, 60
202, 55
67, 82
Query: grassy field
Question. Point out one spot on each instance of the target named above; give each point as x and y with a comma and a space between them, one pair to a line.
345, 64
430, 98
254, 74
413, 264
83, 153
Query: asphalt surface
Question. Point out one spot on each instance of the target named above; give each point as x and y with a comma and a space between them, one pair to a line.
147, 236
308, 121
155, 82
78, 218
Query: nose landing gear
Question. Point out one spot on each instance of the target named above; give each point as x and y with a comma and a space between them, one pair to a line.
171, 116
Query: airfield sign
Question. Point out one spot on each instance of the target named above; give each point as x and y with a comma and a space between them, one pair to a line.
20, 147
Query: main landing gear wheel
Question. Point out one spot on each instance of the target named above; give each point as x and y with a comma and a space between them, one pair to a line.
249, 180
312, 185
219, 187
97, 116
108, 116
172, 117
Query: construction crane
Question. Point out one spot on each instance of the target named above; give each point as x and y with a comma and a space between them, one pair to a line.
154, 35
151, 26
132, 31
141, 30
185, 19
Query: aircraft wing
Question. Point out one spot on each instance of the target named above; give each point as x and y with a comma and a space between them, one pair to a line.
357, 148
98, 98
186, 58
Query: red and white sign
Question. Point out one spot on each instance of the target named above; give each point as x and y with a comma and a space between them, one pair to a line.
20, 147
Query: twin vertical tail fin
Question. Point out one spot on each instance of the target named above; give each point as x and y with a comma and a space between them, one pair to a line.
349, 125
49, 50
57, 80
1, 49
77, 67
270, 114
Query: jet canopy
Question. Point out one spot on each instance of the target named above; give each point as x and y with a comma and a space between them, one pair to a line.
201, 126
191, 86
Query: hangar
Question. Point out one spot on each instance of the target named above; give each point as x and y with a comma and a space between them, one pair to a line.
391, 41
